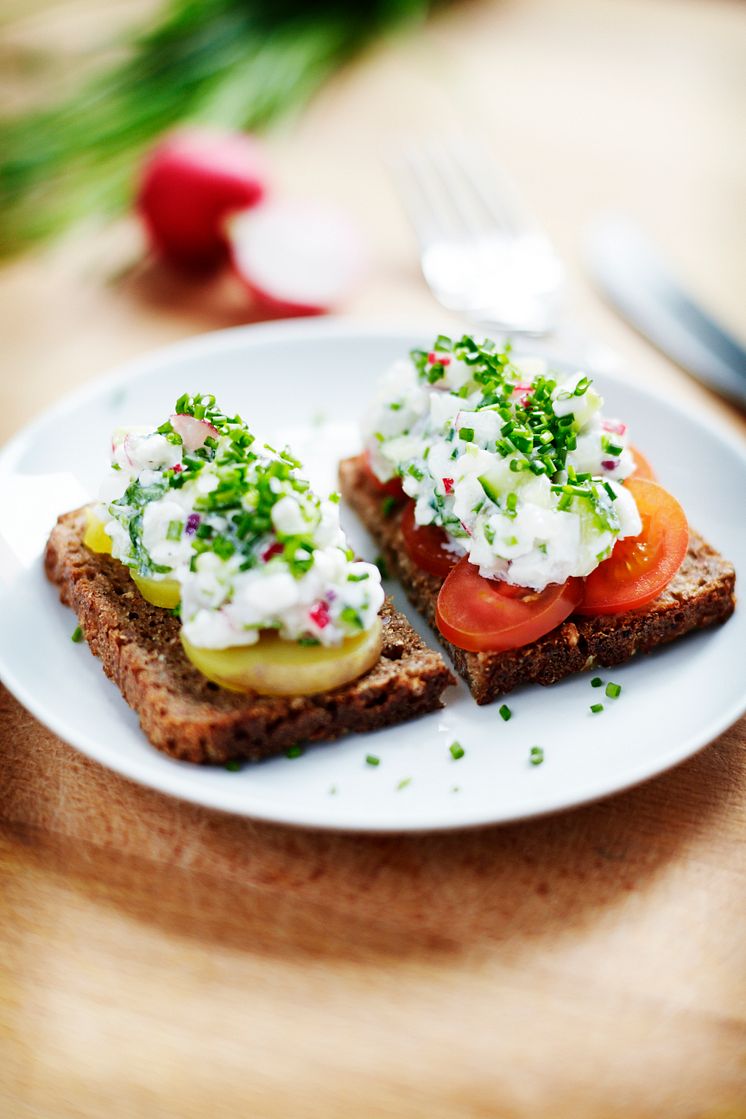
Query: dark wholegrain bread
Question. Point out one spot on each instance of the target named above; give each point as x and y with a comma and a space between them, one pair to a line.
701, 594
189, 717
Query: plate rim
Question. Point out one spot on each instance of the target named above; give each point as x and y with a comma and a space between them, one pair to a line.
180, 783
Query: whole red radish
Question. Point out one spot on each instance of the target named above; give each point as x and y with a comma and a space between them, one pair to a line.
296, 257
190, 182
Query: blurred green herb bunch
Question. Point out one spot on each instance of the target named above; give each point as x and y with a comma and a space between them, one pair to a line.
232, 63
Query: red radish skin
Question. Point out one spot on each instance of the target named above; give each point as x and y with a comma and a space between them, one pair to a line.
194, 432
190, 183
126, 447
296, 258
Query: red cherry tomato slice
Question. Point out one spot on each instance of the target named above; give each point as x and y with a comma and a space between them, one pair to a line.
643, 469
392, 487
641, 566
426, 544
486, 615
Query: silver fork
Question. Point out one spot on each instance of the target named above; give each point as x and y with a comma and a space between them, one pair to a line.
481, 254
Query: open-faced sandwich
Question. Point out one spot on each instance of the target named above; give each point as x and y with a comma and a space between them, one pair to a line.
219, 593
521, 523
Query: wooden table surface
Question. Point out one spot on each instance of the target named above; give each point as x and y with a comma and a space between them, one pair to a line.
157, 959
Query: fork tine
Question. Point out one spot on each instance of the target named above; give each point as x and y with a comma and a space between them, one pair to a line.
466, 201
496, 191
441, 213
472, 230
415, 201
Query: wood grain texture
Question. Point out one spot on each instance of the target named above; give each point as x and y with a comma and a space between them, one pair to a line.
160, 960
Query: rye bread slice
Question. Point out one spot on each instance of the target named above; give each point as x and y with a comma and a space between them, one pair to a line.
186, 715
701, 594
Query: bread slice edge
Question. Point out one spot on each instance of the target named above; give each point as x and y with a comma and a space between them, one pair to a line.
188, 717
702, 594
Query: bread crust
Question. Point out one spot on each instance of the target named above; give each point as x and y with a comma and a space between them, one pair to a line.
700, 594
186, 715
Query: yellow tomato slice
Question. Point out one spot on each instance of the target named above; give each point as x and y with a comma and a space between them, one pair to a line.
277, 667
95, 537
158, 592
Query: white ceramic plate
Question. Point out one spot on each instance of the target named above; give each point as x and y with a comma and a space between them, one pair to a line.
307, 383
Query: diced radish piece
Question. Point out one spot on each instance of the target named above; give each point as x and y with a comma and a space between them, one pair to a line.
297, 258
448, 485
192, 431
609, 463
190, 182
129, 443
119, 435
127, 448
523, 392
614, 425
274, 549
320, 615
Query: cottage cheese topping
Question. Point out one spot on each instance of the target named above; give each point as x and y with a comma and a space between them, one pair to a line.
252, 548
519, 467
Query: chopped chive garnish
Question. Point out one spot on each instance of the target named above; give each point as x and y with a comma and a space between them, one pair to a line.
613, 691
456, 789
294, 752
596, 707
536, 757
490, 489
505, 712
596, 682
467, 434
371, 759
387, 506
77, 635
382, 566
233, 766
332, 790
404, 782
457, 751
